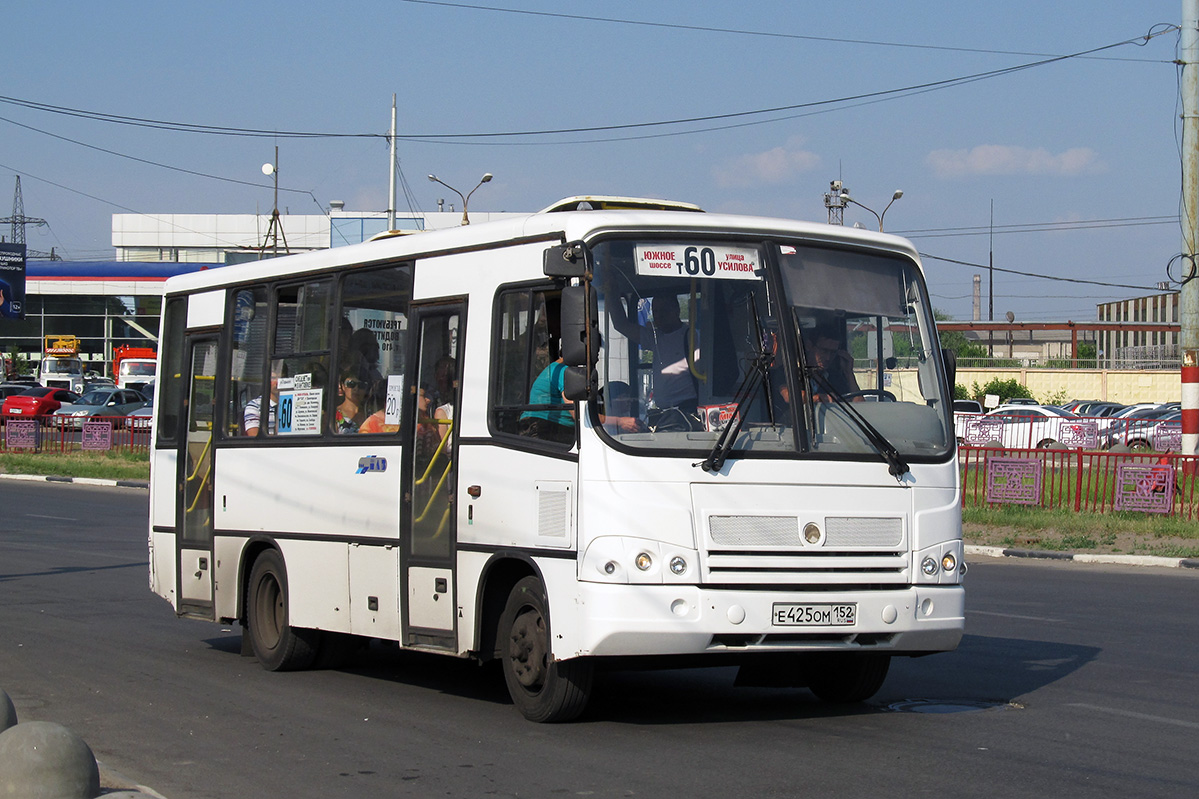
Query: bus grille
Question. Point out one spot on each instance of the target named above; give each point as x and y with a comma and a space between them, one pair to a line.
865, 552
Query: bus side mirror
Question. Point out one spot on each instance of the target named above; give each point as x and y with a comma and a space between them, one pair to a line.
578, 383
580, 316
950, 359
568, 260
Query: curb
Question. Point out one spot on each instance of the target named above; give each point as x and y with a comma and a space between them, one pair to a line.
1120, 560
90, 481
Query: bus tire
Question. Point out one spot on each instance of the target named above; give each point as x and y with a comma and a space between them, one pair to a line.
844, 678
277, 645
542, 689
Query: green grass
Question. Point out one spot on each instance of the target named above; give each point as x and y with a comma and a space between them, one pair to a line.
113, 465
1024, 527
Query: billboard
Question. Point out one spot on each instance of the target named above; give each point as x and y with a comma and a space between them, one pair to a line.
12, 281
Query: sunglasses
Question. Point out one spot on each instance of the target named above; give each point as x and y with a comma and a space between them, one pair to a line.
355, 383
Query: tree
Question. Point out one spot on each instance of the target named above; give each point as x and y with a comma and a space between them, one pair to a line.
956, 341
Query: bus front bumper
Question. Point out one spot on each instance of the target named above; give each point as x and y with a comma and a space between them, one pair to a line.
633, 620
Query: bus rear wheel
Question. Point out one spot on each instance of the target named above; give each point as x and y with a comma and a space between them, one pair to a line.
277, 645
844, 678
542, 689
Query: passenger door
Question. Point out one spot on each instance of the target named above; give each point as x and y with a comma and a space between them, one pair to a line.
429, 518
195, 480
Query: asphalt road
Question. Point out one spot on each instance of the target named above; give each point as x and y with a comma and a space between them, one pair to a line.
1072, 680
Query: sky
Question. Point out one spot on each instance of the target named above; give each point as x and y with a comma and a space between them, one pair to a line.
1044, 136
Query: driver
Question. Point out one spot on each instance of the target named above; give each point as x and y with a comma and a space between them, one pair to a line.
835, 364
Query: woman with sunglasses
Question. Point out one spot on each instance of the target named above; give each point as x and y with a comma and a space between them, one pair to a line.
354, 385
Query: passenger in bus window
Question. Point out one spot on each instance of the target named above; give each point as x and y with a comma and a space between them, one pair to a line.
445, 373
252, 414
365, 345
550, 424
354, 383
669, 337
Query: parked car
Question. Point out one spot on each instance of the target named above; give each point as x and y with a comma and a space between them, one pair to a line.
963, 412
1020, 401
1137, 429
1101, 409
39, 402
8, 389
1074, 405
1144, 434
142, 418
1030, 425
115, 403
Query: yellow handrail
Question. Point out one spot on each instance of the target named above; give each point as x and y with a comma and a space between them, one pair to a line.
436, 452
200, 461
437, 490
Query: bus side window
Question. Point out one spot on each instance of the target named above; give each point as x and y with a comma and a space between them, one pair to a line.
526, 382
372, 326
248, 355
301, 358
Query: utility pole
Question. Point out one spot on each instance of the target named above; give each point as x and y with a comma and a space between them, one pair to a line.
1189, 295
991, 284
834, 203
391, 185
275, 230
18, 220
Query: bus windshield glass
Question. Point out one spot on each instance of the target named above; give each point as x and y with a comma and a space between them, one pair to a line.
799, 349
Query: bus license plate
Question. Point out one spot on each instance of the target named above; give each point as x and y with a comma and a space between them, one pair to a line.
788, 615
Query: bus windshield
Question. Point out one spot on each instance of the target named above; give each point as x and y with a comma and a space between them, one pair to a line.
800, 349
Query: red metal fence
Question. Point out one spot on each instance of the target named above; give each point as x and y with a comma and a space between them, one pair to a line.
117, 433
1081, 480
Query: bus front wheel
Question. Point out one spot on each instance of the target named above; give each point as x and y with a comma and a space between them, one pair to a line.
843, 678
544, 690
277, 645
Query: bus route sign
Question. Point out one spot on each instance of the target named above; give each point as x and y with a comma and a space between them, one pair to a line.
699, 261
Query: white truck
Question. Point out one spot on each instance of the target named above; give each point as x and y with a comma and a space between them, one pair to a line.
61, 366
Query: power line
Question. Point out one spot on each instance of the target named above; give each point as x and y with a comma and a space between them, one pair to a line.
1037, 275
188, 127
764, 34
1039, 227
104, 201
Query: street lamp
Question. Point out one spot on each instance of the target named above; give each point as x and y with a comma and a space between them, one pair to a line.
465, 199
898, 193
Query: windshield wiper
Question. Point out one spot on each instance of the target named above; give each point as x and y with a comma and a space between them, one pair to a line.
896, 465
754, 377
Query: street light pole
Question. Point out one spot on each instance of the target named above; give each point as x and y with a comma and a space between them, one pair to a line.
898, 193
465, 198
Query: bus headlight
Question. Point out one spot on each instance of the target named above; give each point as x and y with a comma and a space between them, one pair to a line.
940, 564
617, 559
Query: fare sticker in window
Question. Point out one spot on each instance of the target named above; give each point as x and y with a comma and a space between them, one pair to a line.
698, 261
395, 399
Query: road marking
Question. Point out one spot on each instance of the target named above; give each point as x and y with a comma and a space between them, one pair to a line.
55, 518
1013, 616
1191, 725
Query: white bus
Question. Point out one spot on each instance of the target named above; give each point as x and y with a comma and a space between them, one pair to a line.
608, 431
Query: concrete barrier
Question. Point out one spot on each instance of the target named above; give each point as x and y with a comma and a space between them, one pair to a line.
44, 760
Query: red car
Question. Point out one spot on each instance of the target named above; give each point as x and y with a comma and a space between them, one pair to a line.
37, 402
